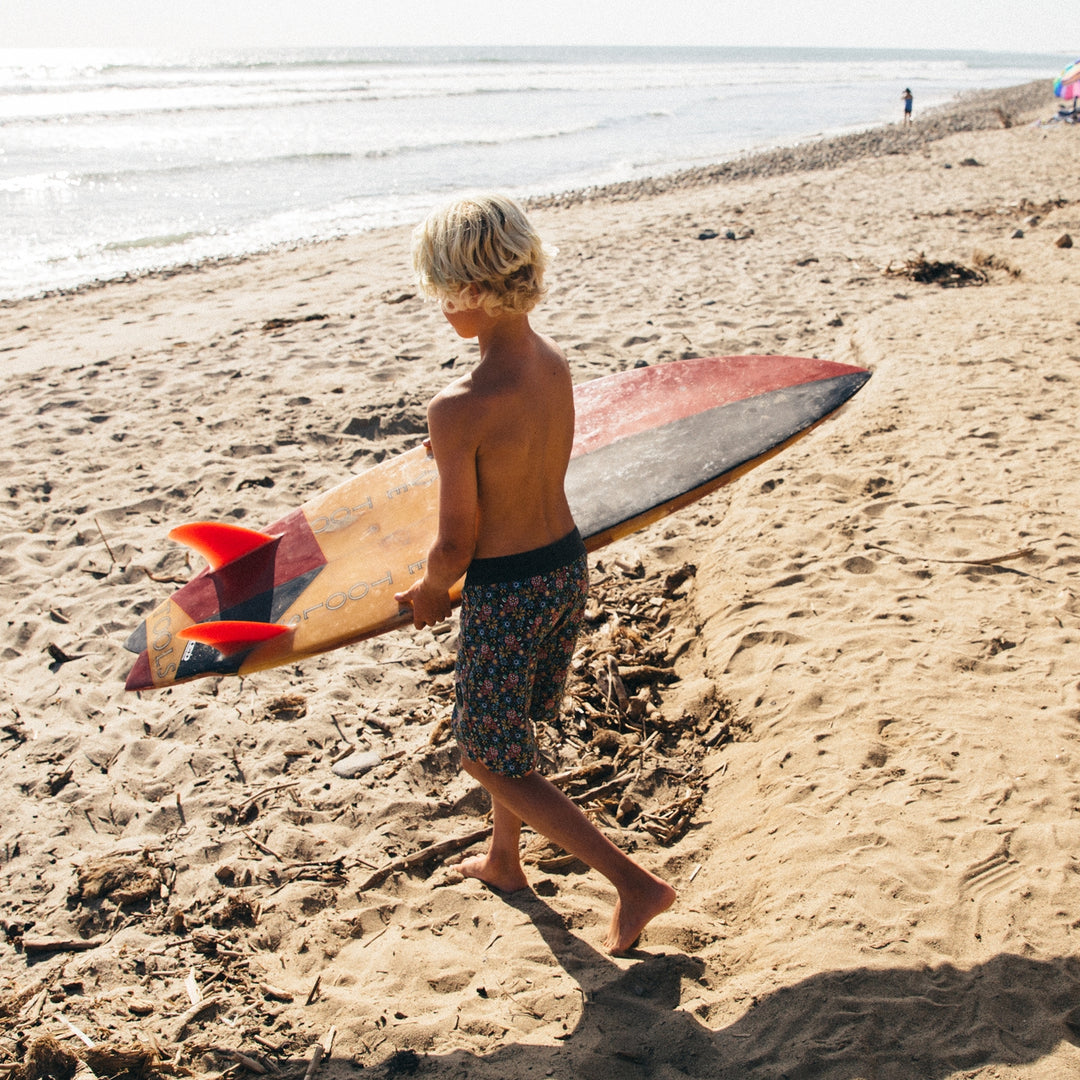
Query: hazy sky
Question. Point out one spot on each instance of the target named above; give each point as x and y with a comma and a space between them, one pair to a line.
1007, 25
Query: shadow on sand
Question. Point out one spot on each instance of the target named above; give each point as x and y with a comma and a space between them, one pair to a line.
886, 1023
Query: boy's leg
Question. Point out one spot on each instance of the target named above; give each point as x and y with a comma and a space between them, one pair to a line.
536, 801
501, 866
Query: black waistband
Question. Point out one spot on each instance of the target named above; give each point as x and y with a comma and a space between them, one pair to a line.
526, 564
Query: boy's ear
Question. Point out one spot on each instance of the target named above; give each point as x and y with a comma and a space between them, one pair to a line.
464, 299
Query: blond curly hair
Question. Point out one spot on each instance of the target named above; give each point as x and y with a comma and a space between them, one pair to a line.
481, 251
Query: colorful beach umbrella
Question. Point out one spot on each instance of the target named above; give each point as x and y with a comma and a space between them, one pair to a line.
1067, 84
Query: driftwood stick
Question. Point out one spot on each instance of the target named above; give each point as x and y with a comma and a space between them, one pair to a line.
33, 946
375, 937
245, 1060
582, 772
77, 1032
274, 992
432, 851
602, 790
266, 791
180, 1028
636, 674
316, 1060
262, 847
104, 541
319, 1051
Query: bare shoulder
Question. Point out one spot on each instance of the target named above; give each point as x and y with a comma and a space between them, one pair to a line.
455, 410
552, 348
453, 397
548, 353
553, 368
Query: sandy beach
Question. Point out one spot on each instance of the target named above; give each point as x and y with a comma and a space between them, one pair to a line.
857, 755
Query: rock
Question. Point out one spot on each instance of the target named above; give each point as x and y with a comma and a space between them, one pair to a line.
1064, 241
356, 764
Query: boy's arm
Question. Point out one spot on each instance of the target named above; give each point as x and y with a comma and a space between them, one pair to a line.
454, 443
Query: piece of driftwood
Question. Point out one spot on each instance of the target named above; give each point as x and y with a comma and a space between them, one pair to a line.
602, 791
37, 946
179, 1031
252, 1064
432, 851
76, 1031
582, 772
639, 674
265, 791
320, 1050
275, 993
612, 686
262, 847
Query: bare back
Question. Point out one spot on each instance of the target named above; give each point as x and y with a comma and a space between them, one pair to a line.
518, 405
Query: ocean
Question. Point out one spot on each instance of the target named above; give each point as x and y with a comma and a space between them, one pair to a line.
114, 163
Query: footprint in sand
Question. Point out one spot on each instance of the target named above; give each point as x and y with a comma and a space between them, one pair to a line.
860, 565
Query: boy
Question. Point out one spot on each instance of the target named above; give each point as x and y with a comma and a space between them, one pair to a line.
501, 436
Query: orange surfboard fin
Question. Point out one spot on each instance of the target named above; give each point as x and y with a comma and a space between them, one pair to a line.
231, 636
219, 543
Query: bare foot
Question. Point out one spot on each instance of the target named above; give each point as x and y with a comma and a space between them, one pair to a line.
635, 911
501, 879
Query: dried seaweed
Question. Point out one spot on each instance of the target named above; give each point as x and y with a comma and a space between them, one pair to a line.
640, 750
122, 877
949, 275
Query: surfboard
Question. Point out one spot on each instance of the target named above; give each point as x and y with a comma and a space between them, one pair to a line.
648, 442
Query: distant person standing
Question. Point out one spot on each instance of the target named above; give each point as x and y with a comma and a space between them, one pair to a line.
907, 99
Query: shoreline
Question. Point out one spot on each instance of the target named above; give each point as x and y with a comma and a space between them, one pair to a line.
975, 110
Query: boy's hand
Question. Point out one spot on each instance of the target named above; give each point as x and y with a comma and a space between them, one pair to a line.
429, 606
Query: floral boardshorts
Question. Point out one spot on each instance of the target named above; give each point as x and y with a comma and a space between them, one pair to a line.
520, 619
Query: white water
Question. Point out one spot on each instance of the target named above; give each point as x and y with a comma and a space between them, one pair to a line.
121, 162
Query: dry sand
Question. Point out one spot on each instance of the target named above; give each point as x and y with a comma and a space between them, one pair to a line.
871, 740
